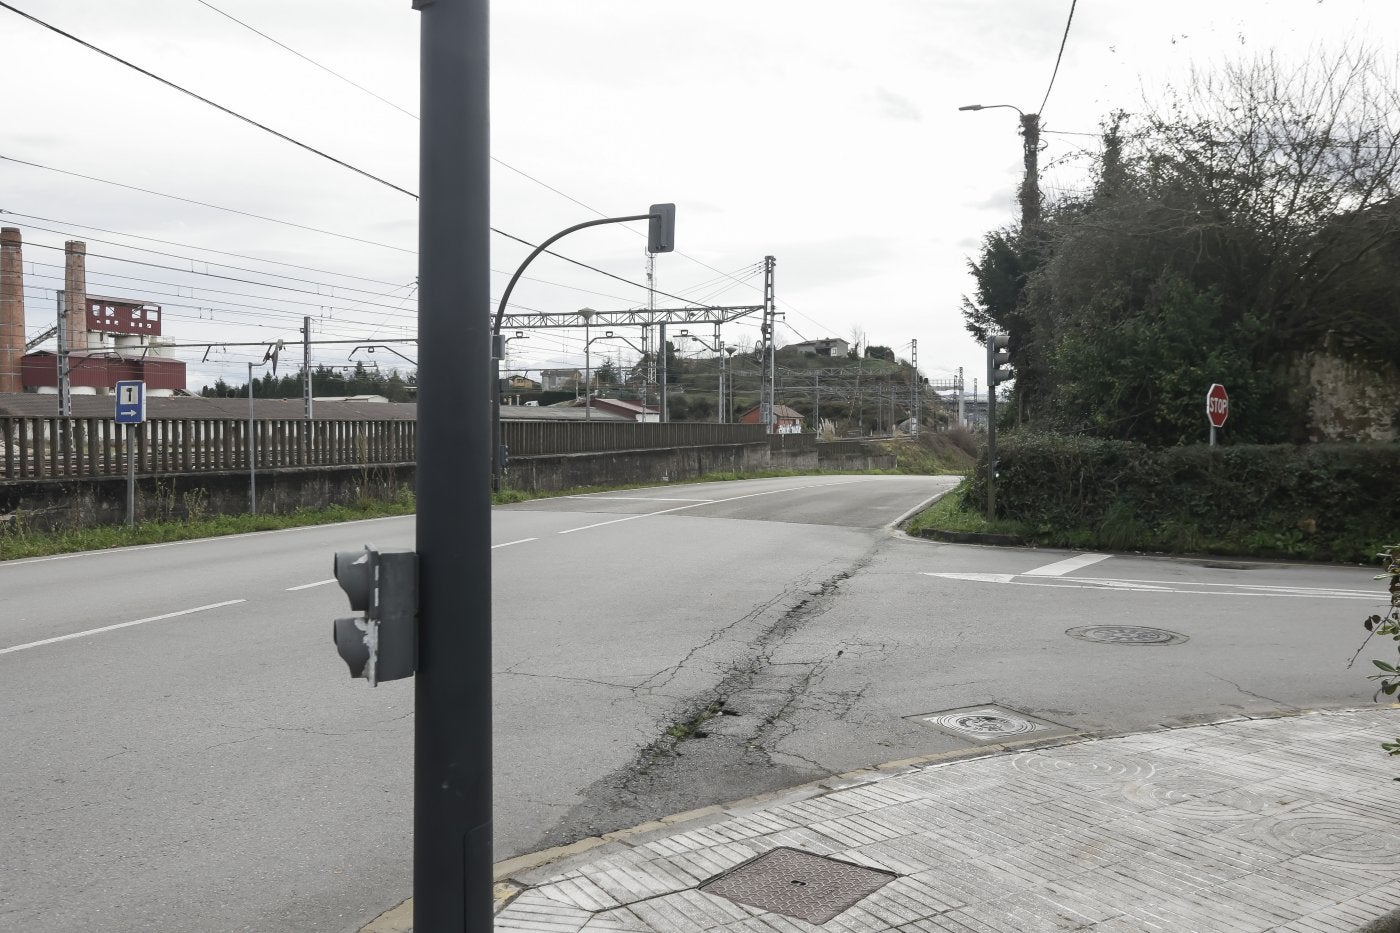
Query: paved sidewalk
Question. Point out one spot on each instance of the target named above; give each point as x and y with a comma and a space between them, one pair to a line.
1289, 824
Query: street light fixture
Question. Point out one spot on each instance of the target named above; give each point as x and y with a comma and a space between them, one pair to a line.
723, 352
1030, 183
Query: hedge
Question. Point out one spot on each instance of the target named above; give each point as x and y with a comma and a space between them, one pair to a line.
1323, 500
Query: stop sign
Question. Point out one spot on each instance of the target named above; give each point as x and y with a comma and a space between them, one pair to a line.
1217, 405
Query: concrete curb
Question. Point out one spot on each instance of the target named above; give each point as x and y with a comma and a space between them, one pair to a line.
515, 875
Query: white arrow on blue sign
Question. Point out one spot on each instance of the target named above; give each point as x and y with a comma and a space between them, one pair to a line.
131, 402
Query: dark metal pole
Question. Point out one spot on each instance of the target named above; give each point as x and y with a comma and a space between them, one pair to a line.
452, 736
991, 430
130, 475
252, 446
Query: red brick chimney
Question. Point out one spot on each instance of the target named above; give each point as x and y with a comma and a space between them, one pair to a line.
11, 310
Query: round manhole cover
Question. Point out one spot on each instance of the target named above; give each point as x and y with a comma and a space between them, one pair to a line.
986, 723
1126, 635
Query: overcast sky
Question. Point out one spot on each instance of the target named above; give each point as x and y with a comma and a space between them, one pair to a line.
825, 134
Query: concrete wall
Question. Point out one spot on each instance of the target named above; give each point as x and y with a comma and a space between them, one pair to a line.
39, 505
564, 471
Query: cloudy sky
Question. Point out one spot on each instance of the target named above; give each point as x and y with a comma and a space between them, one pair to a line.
825, 134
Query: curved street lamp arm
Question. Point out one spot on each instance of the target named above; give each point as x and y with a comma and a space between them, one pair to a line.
501, 308
993, 107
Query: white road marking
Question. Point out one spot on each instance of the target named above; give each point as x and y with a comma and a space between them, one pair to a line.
509, 543
1062, 567
693, 505
21, 561
1165, 586
307, 586
109, 628
637, 498
976, 577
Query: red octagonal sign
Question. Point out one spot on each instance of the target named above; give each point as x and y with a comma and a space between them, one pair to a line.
1217, 405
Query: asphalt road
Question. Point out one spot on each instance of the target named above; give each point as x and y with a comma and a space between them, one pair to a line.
182, 749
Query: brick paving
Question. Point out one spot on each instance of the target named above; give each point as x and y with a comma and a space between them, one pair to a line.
1289, 824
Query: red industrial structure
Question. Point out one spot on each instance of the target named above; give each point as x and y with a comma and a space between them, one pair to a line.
102, 370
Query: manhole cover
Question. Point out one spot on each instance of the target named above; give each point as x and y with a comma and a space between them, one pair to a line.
987, 723
1126, 635
798, 884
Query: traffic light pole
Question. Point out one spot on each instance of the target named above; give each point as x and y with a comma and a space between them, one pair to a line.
997, 354
452, 830
498, 346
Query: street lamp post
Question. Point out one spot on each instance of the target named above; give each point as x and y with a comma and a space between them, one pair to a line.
719, 349
587, 315
1030, 183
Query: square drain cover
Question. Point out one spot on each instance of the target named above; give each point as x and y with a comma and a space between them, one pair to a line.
987, 723
799, 884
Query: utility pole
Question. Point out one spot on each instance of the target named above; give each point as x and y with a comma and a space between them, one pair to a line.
65, 371
914, 388
770, 358
306, 365
962, 421
1030, 183
452, 832
817, 400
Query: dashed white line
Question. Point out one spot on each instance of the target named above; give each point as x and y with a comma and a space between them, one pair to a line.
509, 543
109, 628
307, 586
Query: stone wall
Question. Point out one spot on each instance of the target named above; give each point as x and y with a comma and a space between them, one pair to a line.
1349, 399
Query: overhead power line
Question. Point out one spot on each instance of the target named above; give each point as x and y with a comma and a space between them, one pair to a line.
308, 58
288, 223
215, 275
204, 100
205, 249
217, 207
1063, 40
206, 263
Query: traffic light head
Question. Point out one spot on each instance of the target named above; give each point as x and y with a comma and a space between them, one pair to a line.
356, 571
383, 643
661, 228
997, 358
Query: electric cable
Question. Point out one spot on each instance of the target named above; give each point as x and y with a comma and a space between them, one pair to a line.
309, 59
1063, 40
207, 249
220, 107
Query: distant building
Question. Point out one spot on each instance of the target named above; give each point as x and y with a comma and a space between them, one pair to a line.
785, 420
833, 347
633, 411
96, 371
561, 380
519, 383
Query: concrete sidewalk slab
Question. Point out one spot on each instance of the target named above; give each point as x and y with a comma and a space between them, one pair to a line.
1288, 824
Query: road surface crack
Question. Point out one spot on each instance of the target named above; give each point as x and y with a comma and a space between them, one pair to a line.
1251, 693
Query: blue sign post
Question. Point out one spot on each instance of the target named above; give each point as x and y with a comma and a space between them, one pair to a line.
131, 411
131, 402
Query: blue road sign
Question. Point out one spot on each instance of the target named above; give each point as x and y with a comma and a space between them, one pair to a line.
131, 402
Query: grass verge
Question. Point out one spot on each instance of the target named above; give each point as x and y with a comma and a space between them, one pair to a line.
17, 542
